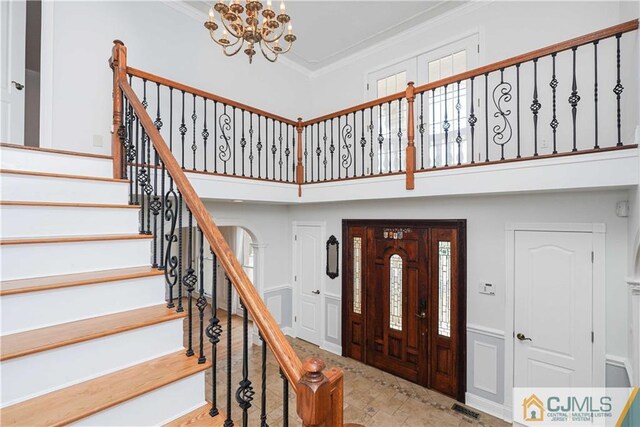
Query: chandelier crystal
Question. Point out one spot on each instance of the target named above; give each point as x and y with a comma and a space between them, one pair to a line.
252, 26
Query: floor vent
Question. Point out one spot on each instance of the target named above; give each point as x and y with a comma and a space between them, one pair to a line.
466, 411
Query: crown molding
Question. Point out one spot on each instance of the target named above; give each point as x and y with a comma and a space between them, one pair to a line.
185, 9
398, 38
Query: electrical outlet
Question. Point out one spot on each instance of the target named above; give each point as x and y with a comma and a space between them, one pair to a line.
97, 140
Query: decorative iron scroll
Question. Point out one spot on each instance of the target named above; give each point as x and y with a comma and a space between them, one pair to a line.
224, 151
346, 133
501, 95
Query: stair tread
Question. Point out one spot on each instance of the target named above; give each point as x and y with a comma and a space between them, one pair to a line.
79, 401
73, 239
11, 287
55, 151
198, 417
68, 204
37, 340
62, 175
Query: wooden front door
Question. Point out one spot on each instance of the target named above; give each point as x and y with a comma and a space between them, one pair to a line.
404, 300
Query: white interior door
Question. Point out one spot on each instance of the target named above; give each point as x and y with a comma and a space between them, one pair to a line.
308, 278
553, 309
13, 16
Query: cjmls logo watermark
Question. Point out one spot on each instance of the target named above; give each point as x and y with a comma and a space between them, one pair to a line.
543, 406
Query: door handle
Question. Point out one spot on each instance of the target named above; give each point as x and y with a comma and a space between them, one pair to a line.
422, 315
317, 292
521, 337
18, 86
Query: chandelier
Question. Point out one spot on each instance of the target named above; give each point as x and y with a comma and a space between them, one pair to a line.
241, 24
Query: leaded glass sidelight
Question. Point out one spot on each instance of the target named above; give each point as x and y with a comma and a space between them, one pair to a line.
395, 292
444, 288
357, 275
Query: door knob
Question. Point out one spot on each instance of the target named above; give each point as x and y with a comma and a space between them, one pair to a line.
317, 292
18, 86
521, 337
422, 315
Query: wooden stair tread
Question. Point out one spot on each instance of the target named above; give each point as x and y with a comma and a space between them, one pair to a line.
198, 417
11, 287
68, 204
79, 401
73, 239
61, 175
37, 340
55, 151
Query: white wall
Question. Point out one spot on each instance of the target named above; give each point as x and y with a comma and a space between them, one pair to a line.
79, 35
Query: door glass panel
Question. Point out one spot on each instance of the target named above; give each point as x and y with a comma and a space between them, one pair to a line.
444, 288
395, 291
357, 272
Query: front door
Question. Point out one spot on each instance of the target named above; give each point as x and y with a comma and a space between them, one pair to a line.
308, 278
13, 15
553, 309
404, 298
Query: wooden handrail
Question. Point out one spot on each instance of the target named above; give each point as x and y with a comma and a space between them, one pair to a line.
208, 95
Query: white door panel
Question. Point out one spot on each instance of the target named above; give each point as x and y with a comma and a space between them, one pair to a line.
553, 309
13, 15
309, 281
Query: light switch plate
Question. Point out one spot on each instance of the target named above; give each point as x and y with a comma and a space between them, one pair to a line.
487, 288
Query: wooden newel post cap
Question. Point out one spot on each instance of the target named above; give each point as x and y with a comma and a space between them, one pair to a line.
314, 394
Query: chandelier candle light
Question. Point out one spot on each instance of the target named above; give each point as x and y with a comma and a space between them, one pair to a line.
241, 23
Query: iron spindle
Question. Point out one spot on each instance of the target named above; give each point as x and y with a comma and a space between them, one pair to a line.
285, 399
266, 144
201, 302
339, 148
389, 134
137, 164
155, 206
131, 154
148, 188
332, 148
215, 137
554, 85
318, 149
162, 216
274, 149
445, 127
251, 144
380, 139
399, 135
595, 93
433, 124
194, 146
535, 107
228, 422
171, 119
287, 152
280, 159
472, 123
292, 168
311, 145
458, 137
617, 90
143, 182
263, 383
421, 130
190, 280
245, 393
324, 140
234, 140
501, 96
243, 142
486, 115
205, 134
171, 271
183, 132
180, 308
213, 333
371, 140
574, 98
518, 109
259, 148
306, 143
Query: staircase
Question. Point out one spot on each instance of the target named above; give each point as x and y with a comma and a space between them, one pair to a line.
87, 337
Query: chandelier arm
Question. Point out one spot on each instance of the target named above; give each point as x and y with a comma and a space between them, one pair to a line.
213, 37
231, 31
235, 51
287, 49
277, 38
265, 53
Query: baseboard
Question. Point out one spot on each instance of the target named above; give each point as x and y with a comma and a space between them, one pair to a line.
487, 406
288, 330
332, 348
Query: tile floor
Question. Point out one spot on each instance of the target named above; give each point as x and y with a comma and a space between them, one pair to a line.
372, 397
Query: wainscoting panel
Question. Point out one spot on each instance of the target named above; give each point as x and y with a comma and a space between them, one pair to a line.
279, 302
485, 364
333, 324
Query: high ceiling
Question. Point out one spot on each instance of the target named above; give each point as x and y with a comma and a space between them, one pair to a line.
329, 31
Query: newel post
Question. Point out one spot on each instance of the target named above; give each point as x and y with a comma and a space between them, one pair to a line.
299, 167
118, 63
411, 148
314, 394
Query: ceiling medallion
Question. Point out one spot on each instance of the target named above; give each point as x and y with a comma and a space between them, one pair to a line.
240, 22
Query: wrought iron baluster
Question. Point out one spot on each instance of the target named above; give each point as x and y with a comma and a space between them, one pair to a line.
234, 139
224, 153
131, 151
595, 93
292, 164
472, 123
518, 109
148, 188
143, 182
324, 140
535, 107
380, 139
339, 149
459, 136
183, 132
245, 393
155, 206
274, 150
137, 163
215, 137
266, 144
389, 134
259, 148
502, 133
171, 119
445, 127
433, 126
171, 261
285, 399
194, 146
574, 98
263, 383
180, 308
287, 153
318, 149
201, 302
346, 133
399, 135
311, 145
205, 134
228, 422
554, 85
371, 127
421, 130
251, 144
243, 142
617, 90
190, 281
486, 115
332, 148
214, 330
306, 151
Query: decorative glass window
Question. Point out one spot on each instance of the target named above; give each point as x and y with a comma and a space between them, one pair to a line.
395, 292
357, 275
392, 121
444, 289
